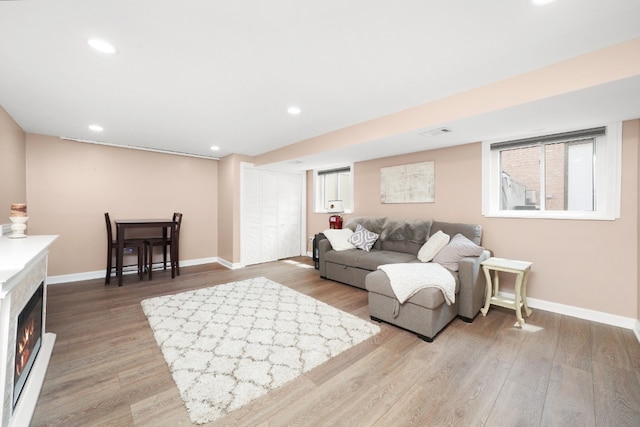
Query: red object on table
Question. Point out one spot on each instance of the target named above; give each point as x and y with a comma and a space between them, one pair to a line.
335, 221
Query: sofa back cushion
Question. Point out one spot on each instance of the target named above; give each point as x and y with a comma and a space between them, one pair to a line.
472, 232
405, 235
408, 235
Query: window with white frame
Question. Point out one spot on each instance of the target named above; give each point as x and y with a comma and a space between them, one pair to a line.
333, 184
573, 175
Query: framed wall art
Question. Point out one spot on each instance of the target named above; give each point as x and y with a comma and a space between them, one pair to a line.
413, 183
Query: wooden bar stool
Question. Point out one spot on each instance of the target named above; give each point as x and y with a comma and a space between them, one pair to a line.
112, 245
172, 242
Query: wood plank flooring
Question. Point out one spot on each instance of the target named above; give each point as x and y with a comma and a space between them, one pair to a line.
106, 369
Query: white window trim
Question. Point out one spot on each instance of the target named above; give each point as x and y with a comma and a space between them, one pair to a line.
608, 181
316, 201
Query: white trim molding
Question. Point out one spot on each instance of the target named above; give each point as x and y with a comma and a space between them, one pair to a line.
230, 265
99, 274
582, 313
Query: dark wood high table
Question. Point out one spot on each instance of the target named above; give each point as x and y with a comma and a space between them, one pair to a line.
123, 224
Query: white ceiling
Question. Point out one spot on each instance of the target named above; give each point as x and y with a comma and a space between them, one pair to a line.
197, 73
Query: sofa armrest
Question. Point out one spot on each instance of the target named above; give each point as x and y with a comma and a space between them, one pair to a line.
324, 246
472, 286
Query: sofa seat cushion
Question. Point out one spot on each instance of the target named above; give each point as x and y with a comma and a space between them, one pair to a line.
431, 298
377, 258
350, 257
401, 246
368, 260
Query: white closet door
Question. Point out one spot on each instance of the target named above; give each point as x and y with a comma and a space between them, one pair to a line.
271, 215
251, 217
290, 214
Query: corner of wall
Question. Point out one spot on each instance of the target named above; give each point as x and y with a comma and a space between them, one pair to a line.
229, 195
13, 173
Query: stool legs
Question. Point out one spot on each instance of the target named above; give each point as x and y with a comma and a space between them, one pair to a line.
488, 292
521, 297
492, 292
518, 300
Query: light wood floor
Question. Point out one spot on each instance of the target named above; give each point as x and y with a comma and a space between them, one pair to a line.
107, 370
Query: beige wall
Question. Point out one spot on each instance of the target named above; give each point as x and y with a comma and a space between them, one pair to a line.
587, 264
458, 188
70, 185
229, 196
13, 184
226, 203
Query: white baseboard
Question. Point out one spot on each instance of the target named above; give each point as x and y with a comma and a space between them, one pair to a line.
100, 274
79, 277
199, 261
235, 266
230, 265
582, 313
636, 330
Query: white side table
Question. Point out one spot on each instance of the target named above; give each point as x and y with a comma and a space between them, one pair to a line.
521, 270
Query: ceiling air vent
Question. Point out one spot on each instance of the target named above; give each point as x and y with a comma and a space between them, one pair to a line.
434, 132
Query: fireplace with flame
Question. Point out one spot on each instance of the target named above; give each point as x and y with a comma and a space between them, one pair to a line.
28, 340
25, 344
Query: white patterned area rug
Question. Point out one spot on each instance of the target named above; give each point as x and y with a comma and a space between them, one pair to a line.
229, 344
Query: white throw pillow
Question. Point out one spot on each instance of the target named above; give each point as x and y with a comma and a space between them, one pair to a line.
339, 238
363, 238
458, 248
432, 246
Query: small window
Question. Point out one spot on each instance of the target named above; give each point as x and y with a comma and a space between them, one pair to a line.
565, 175
333, 184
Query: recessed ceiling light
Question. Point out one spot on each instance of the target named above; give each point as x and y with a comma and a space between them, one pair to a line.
215, 148
294, 111
96, 128
102, 45
541, 2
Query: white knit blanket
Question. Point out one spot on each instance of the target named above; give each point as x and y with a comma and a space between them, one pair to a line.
407, 279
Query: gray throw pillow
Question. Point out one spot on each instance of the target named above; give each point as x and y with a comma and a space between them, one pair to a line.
458, 248
363, 238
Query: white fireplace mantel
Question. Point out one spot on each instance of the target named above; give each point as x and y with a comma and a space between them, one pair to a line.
23, 266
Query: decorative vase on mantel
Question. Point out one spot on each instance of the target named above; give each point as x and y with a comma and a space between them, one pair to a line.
18, 219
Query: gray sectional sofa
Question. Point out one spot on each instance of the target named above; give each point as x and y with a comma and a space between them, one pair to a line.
399, 241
